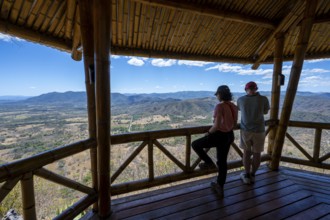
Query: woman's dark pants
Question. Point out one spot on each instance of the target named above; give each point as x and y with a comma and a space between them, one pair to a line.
220, 140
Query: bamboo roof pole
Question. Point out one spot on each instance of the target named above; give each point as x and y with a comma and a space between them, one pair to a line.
276, 89
207, 11
102, 26
29, 205
70, 11
87, 38
301, 47
34, 36
290, 21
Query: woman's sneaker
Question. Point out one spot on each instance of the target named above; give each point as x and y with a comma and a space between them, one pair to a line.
218, 189
207, 166
245, 178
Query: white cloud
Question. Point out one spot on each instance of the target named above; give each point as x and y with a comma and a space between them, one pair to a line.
115, 56
8, 38
315, 81
317, 70
225, 67
33, 87
135, 62
163, 63
267, 82
193, 63
314, 71
317, 60
241, 70
248, 72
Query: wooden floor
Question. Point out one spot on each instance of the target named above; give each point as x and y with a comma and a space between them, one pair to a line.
285, 194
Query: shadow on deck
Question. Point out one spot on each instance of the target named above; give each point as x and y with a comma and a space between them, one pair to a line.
285, 194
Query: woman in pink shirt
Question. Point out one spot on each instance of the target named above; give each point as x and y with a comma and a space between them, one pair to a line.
220, 135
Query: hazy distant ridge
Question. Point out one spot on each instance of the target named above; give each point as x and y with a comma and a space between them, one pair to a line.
178, 103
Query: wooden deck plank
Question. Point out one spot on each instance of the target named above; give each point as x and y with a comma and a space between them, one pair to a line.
319, 177
230, 178
327, 217
232, 182
234, 203
195, 195
325, 198
310, 183
289, 210
315, 212
208, 196
269, 206
286, 194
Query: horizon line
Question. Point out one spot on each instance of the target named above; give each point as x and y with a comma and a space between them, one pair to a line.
137, 93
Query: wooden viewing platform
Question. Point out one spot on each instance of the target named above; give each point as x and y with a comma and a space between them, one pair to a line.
284, 194
249, 32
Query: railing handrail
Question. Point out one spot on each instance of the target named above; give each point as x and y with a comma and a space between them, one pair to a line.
166, 133
157, 134
304, 124
25, 165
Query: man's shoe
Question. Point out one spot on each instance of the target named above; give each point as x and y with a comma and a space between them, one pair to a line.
218, 189
245, 178
252, 178
207, 166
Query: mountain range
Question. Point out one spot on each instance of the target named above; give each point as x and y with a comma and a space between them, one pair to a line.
177, 103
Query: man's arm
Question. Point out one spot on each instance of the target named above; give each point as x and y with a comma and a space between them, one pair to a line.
266, 106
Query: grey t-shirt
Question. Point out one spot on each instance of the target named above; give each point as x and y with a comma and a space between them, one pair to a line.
253, 108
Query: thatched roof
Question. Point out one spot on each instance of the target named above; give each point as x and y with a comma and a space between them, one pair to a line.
239, 31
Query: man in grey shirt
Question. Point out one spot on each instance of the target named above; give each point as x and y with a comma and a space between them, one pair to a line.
253, 106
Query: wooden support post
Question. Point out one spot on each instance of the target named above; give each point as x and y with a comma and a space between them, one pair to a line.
317, 144
305, 32
102, 27
87, 37
151, 160
276, 89
29, 207
188, 152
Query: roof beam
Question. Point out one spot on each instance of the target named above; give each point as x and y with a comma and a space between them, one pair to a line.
270, 60
124, 51
292, 19
207, 11
322, 19
70, 12
76, 38
34, 36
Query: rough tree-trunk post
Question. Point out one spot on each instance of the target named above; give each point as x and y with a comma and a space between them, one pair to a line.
305, 31
86, 25
276, 88
29, 205
102, 18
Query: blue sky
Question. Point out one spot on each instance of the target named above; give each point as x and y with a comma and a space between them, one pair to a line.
31, 69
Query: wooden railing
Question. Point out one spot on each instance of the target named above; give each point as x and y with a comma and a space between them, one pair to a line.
150, 140
315, 160
24, 170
